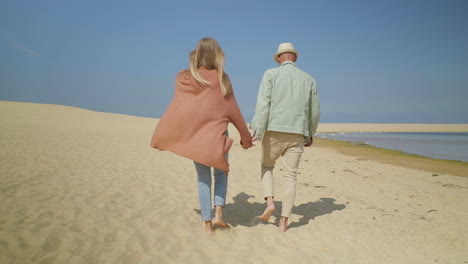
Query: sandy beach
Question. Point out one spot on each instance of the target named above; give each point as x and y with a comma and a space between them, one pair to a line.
79, 186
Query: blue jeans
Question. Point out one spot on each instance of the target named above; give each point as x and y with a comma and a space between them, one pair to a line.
204, 189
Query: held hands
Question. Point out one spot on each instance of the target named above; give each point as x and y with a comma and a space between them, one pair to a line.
308, 144
254, 138
250, 144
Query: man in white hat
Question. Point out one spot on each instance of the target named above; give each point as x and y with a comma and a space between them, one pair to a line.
286, 118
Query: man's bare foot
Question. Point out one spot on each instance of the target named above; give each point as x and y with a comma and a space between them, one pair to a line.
209, 227
268, 211
283, 225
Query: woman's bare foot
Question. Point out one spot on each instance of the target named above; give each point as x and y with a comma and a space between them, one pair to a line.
218, 218
209, 227
220, 223
268, 210
283, 225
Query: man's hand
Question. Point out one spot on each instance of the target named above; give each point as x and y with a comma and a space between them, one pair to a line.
311, 141
254, 138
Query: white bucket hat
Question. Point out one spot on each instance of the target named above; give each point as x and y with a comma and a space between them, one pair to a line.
283, 48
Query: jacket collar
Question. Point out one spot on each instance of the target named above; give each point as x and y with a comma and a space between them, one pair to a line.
288, 62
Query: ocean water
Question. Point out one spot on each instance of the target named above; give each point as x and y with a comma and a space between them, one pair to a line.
448, 146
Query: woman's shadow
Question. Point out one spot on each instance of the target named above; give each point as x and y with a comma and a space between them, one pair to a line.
245, 213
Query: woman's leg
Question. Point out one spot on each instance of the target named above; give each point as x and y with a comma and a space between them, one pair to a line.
221, 181
204, 193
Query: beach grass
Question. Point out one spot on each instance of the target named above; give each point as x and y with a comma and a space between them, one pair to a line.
395, 157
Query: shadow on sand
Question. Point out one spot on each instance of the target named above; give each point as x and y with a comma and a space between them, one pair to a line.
244, 213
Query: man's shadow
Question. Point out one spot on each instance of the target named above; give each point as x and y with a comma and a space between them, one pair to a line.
245, 213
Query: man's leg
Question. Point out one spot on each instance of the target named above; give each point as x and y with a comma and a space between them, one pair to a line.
291, 159
270, 153
268, 188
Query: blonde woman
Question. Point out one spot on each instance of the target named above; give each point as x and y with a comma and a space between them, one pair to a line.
195, 125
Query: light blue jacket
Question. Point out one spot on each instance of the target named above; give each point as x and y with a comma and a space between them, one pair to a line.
287, 102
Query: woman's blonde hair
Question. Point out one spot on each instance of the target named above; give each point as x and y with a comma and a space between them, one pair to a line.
208, 54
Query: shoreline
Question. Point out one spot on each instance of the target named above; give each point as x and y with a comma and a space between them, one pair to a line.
419, 143
389, 128
358, 150
396, 157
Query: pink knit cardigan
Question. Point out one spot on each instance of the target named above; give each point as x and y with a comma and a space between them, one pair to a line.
196, 120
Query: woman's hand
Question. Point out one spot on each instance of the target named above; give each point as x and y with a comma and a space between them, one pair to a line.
245, 146
251, 144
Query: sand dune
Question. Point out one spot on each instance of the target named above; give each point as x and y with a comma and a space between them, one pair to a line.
78, 186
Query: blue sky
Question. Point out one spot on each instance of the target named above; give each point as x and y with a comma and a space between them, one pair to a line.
374, 61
